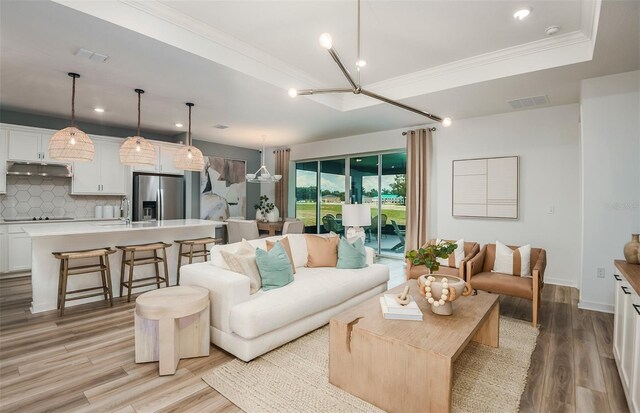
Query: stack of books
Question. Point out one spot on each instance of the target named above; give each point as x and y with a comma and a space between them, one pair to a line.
392, 310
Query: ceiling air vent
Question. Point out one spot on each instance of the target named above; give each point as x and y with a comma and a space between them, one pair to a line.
218, 126
529, 102
91, 55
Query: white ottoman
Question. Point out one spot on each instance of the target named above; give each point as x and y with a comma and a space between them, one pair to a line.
171, 324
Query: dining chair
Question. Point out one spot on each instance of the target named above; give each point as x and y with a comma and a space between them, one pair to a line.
401, 234
237, 229
293, 227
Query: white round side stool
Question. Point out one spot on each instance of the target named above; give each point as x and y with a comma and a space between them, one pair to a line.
172, 324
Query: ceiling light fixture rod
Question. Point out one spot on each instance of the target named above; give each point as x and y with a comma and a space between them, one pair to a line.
358, 47
189, 139
345, 72
402, 106
139, 92
74, 76
323, 91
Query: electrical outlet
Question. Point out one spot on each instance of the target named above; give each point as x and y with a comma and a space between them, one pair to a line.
600, 272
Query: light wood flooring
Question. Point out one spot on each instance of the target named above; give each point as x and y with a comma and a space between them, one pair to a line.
84, 361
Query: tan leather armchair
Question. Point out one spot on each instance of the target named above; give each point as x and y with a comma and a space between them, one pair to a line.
481, 277
470, 250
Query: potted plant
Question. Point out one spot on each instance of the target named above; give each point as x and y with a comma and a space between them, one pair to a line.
428, 255
265, 209
438, 290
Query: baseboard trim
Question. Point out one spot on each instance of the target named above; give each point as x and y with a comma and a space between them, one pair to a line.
560, 281
601, 307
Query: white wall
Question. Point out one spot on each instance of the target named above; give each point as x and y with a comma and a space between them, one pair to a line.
547, 141
610, 112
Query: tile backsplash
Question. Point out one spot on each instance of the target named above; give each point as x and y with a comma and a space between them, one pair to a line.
30, 196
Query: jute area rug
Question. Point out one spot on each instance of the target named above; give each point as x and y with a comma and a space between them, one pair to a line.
295, 377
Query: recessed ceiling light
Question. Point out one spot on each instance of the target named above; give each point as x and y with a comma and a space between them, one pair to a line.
522, 13
99, 110
179, 125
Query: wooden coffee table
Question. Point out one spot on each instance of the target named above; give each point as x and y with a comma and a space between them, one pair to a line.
407, 366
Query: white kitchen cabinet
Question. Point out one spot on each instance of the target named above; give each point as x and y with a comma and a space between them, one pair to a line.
635, 389
3, 251
28, 146
626, 332
105, 175
167, 153
18, 252
4, 146
164, 160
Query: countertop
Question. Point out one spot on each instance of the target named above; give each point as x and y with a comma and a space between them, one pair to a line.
631, 272
55, 221
91, 228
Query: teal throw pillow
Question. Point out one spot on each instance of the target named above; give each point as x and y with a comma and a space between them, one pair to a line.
351, 256
274, 266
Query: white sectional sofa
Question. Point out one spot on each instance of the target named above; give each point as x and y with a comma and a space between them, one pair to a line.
248, 325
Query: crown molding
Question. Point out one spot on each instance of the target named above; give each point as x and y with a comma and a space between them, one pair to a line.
547, 53
168, 25
164, 23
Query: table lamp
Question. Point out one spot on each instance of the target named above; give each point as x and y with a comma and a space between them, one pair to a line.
356, 216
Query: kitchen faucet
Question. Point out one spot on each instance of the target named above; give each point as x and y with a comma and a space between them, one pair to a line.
125, 210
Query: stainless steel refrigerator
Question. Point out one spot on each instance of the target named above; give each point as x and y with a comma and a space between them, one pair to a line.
158, 197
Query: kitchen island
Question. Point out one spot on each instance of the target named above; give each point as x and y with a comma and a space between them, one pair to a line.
47, 238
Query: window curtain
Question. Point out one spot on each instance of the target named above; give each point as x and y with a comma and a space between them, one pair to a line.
282, 187
418, 175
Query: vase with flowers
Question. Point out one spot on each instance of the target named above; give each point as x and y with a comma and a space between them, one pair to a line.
439, 290
264, 209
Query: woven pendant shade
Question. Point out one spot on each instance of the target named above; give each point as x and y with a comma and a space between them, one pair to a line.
189, 158
136, 150
71, 144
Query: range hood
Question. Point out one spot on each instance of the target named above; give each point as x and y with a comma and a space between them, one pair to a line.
39, 169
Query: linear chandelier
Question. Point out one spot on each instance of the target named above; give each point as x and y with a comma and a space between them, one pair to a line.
356, 88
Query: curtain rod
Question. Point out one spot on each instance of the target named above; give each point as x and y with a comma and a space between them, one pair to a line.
433, 129
286, 150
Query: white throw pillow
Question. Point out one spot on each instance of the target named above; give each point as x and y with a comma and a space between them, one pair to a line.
243, 261
216, 259
298, 245
458, 253
506, 260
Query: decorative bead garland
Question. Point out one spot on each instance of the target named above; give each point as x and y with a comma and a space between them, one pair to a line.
429, 296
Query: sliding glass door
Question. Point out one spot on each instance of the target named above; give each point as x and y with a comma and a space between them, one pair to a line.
393, 191
364, 189
323, 186
332, 192
307, 194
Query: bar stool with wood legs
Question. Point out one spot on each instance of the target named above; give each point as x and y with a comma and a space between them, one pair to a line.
102, 266
190, 253
132, 261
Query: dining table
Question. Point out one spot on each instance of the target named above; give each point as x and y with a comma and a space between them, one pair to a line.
271, 227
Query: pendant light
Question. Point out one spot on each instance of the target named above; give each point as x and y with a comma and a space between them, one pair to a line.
189, 157
262, 175
136, 150
71, 144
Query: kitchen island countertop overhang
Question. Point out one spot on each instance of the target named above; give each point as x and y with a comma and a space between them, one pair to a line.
50, 237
